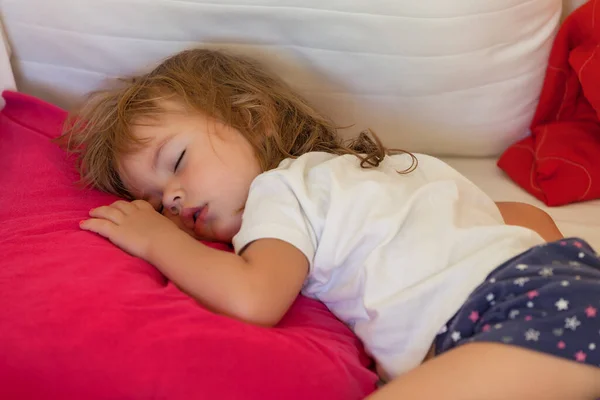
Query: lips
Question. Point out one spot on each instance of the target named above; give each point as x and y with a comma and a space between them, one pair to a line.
200, 214
195, 215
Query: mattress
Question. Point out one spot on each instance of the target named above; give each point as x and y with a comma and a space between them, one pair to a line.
578, 219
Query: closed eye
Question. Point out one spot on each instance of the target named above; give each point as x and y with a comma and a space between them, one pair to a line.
178, 161
161, 208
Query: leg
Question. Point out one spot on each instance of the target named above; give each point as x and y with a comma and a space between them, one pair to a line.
495, 371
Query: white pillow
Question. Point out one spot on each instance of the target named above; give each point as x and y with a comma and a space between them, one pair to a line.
570, 5
7, 80
454, 77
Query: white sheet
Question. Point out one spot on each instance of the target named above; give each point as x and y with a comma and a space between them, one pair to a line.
579, 219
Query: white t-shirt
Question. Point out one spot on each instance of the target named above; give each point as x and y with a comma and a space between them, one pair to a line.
393, 256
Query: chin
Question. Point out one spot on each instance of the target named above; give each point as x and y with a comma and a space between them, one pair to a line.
225, 232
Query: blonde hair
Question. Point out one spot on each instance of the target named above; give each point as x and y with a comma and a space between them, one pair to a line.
276, 121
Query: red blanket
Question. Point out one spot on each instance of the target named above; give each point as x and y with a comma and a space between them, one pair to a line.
559, 162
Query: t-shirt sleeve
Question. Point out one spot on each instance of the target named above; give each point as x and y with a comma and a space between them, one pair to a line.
274, 211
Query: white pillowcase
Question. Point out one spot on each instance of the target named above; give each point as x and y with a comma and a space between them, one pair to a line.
570, 5
7, 80
457, 77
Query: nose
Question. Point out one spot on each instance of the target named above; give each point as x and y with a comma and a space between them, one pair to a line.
173, 201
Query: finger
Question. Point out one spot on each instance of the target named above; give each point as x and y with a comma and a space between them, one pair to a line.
125, 206
110, 213
142, 205
103, 227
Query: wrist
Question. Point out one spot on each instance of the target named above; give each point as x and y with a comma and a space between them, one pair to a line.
162, 242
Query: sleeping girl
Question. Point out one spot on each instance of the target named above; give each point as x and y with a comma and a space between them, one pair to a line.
454, 296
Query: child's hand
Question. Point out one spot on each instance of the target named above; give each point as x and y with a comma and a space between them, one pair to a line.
133, 226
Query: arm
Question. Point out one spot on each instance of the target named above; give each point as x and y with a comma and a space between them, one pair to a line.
257, 287
528, 216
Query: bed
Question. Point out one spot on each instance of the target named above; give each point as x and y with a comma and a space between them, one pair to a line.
579, 219
459, 80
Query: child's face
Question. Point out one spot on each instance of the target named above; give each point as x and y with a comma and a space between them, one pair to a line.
198, 169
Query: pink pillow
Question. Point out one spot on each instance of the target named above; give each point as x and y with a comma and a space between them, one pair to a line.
81, 319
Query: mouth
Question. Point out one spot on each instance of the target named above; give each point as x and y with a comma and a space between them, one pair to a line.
196, 214
200, 214
193, 217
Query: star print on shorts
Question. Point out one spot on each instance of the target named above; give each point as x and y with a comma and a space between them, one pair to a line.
546, 299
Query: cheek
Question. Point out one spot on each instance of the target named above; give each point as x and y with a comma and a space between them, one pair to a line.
204, 184
205, 181
221, 179
227, 228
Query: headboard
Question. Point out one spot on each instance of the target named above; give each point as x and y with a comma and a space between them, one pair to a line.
447, 78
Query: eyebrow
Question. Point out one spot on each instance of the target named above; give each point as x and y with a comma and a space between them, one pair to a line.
161, 145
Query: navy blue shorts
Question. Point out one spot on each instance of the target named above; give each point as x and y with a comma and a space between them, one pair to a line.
546, 299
